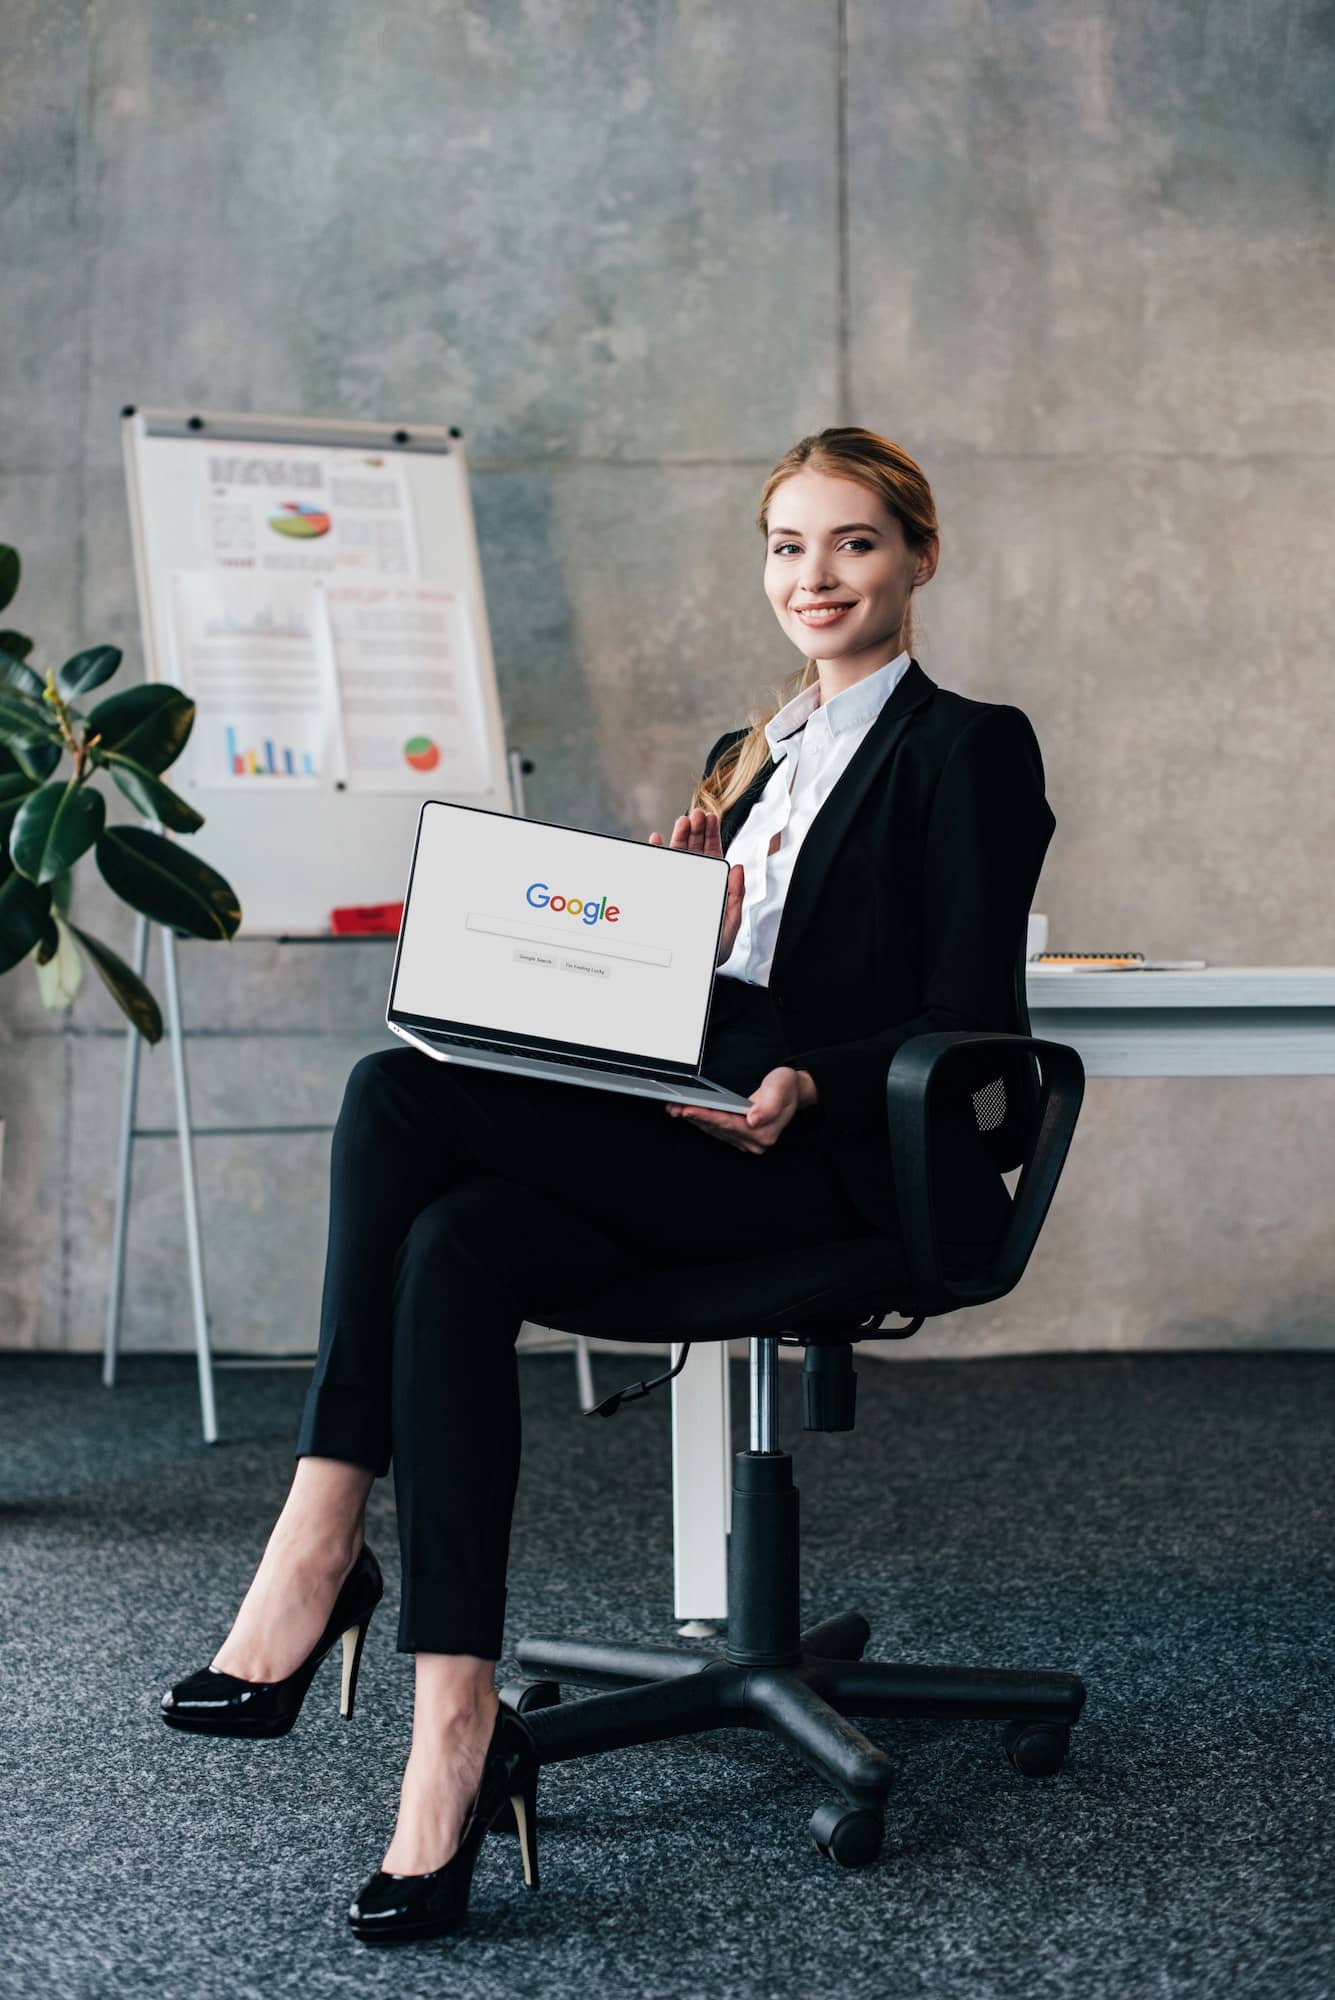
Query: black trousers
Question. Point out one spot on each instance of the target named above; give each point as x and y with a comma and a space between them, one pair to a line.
458, 1198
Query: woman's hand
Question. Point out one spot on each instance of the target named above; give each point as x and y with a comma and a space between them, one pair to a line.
782, 1093
698, 832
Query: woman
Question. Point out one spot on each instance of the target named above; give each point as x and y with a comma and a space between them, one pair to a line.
462, 1199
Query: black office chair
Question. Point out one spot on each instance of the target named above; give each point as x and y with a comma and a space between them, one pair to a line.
1026, 1096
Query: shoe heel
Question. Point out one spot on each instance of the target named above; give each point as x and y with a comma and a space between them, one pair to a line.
353, 1641
525, 1803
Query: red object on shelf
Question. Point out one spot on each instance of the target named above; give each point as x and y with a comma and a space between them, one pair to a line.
366, 919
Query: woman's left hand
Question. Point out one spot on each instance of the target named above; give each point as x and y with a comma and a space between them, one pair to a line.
782, 1093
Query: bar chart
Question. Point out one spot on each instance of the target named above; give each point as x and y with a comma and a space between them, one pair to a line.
269, 761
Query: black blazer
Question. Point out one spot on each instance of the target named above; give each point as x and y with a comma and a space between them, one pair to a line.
904, 914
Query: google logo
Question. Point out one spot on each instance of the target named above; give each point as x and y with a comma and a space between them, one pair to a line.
541, 898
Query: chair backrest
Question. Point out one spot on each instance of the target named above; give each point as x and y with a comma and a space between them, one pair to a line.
1006, 1098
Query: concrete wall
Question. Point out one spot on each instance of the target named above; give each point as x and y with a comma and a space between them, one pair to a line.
1079, 259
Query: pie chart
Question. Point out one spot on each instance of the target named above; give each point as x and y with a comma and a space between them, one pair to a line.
422, 753
300, 521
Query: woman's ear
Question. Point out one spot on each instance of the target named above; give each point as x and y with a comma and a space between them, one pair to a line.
925, 566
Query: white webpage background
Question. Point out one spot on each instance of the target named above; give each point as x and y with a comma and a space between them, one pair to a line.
475, 950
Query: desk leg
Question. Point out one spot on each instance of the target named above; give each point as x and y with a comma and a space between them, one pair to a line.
701, 1439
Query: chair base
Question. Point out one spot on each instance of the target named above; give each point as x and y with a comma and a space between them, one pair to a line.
653, 1695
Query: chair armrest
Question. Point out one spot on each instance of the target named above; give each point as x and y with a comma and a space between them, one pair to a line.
908, 1091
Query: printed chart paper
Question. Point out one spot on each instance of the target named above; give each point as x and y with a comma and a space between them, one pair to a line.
253, 654
308, 509
314, 651
408, 677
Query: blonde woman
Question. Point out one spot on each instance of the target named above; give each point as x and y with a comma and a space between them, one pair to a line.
885, 836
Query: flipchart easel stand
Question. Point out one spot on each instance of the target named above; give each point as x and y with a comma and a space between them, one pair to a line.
186, 1134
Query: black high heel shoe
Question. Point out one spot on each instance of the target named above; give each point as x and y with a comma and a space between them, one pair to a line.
390, 1907
214, 1704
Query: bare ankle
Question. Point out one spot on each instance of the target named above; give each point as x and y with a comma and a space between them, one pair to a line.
317, 1547
319, 1538
326, 1507
445, 1715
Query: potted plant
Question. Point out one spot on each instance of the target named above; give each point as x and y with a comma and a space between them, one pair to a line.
48, 822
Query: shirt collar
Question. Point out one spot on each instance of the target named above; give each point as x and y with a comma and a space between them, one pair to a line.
852, 708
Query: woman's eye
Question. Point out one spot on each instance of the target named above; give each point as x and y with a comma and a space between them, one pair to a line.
853, 541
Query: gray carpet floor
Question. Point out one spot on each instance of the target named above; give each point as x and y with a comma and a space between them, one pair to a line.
1160, 1524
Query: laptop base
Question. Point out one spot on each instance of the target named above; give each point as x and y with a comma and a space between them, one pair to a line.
685, 1090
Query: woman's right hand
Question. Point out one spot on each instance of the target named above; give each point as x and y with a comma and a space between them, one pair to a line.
698, 832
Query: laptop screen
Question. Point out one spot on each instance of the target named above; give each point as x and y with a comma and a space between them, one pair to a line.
559, 937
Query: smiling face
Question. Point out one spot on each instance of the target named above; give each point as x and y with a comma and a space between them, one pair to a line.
838, 572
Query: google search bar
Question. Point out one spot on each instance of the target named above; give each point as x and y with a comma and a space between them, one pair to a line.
549, 934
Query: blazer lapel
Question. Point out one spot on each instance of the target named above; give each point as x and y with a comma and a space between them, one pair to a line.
870, 763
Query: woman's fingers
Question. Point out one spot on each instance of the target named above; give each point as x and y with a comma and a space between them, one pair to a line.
697, 832
728, 1126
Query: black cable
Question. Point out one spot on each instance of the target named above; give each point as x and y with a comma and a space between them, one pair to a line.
611, 1404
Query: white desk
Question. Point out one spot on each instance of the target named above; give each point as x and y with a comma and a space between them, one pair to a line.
1226, 1020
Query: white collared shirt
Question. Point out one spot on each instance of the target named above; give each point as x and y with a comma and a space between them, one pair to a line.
811, 743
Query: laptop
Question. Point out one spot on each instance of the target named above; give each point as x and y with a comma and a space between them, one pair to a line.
547, 951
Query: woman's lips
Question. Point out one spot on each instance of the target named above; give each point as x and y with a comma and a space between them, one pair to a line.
823, 614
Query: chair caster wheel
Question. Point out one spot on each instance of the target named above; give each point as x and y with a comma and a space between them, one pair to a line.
1037, 1749
850, 1835
523, 1696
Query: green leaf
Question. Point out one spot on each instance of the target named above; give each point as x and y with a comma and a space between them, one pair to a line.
30, 738
9, 573
152, 798
165, 882
61, 885
23, 717
88, 670
15, 787
126, 988
149, 724
54, 827
59, 971
16, 673
38, 760
16, 644
24, 914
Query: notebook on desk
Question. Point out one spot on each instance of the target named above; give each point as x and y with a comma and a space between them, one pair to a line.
1112, 961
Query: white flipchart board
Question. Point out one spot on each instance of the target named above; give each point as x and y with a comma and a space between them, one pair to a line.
291, 857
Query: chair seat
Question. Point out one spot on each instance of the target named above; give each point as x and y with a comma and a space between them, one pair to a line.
834, 1286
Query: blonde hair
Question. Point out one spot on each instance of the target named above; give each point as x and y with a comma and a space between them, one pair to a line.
886, 470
